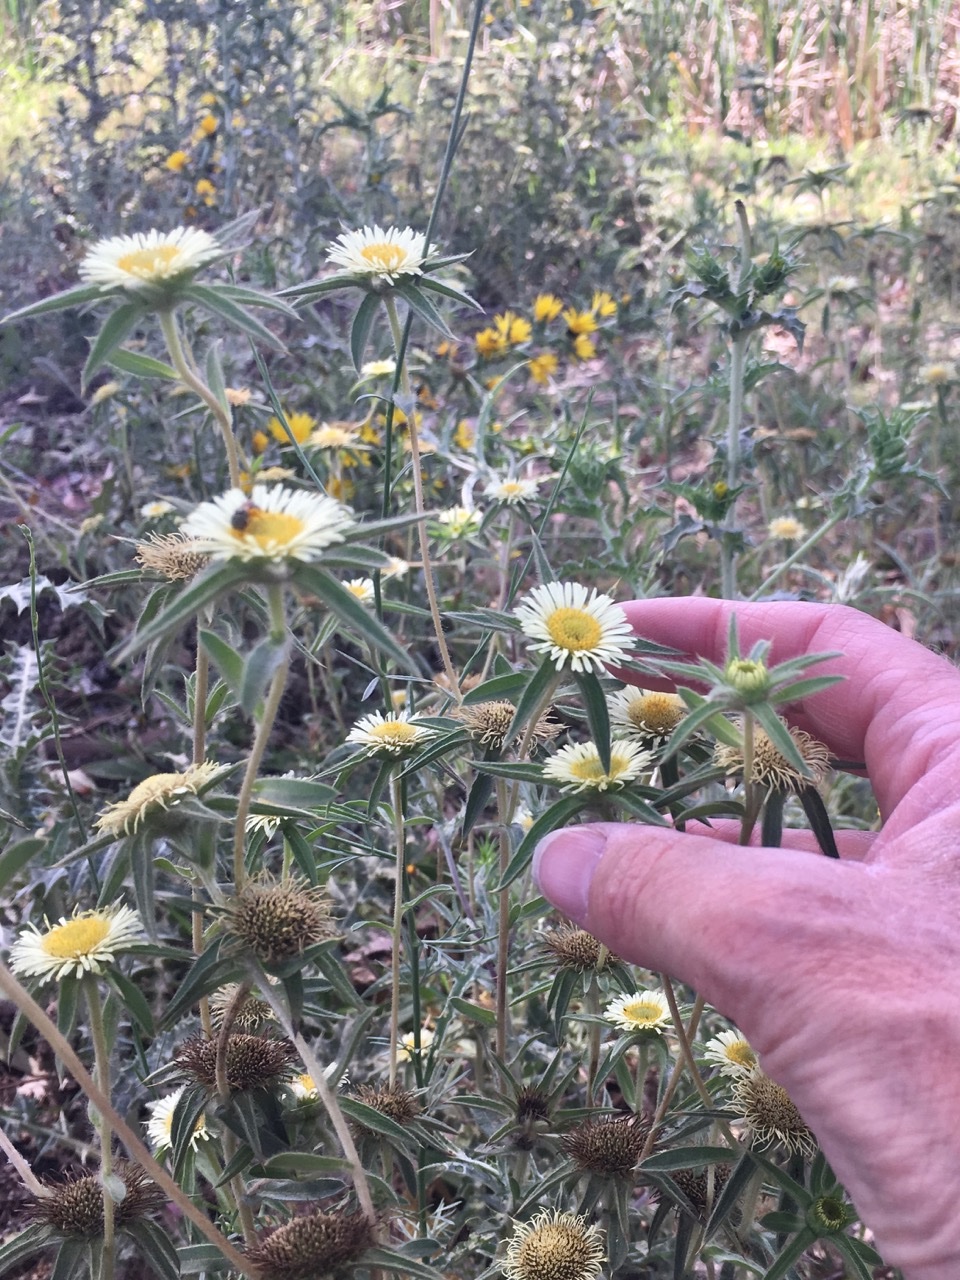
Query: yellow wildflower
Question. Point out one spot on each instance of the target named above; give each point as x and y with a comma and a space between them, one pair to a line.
603, 304
580, 322
206, 190
177, 161
301, 425
546, 307
259, 442
513, 329
208, 125
208, 100
464, 437
584, 348
489, 342
542, 366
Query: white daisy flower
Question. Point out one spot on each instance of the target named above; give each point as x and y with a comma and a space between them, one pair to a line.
512, 492
771, 1115
159, 791
362, 588
579, 768
406, 1050
83, 943
389, 735
459, 522
304, 1087
395, 568
160, 1124
641, 1011
732, 1053
568, 622
144, 261
156, 510
274, 523
379, 368
648, 718
384, 254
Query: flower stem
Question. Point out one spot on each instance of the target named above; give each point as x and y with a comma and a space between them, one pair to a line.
180, 359
399, 835
227, 1137
796, 555
751, 795
503, 923
738, 360
327, 1096
686, 1054
264, 728
101, 1057
448, 667
670, 1090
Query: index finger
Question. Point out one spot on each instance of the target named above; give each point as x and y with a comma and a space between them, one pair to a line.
896, 708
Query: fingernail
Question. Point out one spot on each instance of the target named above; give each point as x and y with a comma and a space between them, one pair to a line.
563, 866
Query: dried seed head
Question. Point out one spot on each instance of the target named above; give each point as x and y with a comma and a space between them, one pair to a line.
312, 1246
397, 1104
489, 724
610, 1147
771, 1114
771, 768
75, 1207
251, 1015
252, 1062
693, 1184
278, 921
650, 718
554, 1246
172, 555
573, 948
532, 1105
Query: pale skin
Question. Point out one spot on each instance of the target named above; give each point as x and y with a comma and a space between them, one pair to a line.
845, 976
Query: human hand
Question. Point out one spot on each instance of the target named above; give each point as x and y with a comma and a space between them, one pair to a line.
845, 976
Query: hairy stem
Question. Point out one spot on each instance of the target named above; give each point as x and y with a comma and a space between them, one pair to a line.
187, 372
424, 538
399, 835
101, 1057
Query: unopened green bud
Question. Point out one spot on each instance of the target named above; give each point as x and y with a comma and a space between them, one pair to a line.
748, 677
829, 1214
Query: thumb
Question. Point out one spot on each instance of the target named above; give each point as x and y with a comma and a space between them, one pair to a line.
734, 923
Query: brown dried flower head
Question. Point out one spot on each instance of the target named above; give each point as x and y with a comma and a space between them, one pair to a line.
397, 1104
771, 1114
171, 555
693, 1184
75, 1207
648, 718
489, 724
610, 1146
251, 1015
532, 1105
252, 1062
771, 768
312, 1246
278, 921
573, 948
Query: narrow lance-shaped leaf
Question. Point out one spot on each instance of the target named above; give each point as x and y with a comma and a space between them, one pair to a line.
216, 580
117, 328
219, 304
349, 609
595, 705
362, 324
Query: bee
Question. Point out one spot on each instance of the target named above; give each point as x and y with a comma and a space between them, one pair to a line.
243, 515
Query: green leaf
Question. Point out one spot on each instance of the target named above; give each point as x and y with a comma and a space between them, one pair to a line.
362, 324
16, 856
213, 582
225, 658
211, 299
390, 1260
118, 327
691, 1157
247, 297
183, 1123
780, 736
197, 1258
474, 1012
315, 288
215, 378
477, 800
303, 1164
534, 697
156, 1247
819, 820
421, 305
349, 610
133, 999
299, 793
73, 1260
374, 1120
449, 291
22, 1246
598, 717
507, 686
260, 668
558, 1001
142, 366
792, 1253
75, 297
208, 972
516, 769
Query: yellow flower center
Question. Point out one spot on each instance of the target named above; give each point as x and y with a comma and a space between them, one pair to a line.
270, 529
590, 770
641, 1011
305, 1081
574, 629
656, 712
510, 488
149, 264
395, 732
741, 1054
385, 256
76, 938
